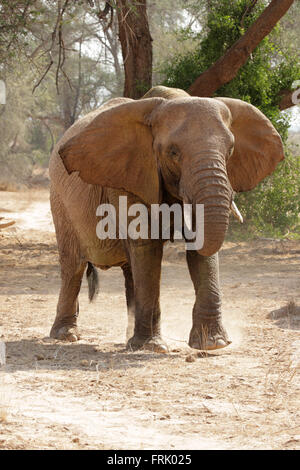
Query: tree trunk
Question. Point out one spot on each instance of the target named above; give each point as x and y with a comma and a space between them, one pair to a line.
226, 68
136, 43
114, 48
67, 105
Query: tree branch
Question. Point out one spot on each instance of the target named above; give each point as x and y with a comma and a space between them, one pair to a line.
102, 15
226, 68
248, 11
286, 99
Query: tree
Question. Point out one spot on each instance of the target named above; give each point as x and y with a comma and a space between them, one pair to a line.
268, 71
136, 43
227, 66
18, 19
31, 123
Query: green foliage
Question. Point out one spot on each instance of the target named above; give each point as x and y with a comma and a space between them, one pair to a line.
268, 70
272, 209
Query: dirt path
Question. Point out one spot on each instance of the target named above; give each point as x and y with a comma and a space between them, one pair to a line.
95, 394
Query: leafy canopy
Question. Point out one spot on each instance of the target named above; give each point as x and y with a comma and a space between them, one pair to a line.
270, 68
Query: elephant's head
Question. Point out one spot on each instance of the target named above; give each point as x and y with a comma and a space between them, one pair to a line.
201, 148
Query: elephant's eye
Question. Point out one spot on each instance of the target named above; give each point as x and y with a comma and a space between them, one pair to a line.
173, 152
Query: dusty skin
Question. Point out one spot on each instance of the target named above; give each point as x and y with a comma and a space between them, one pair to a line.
94, 394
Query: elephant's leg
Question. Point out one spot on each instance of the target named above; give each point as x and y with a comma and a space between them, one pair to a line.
207, 331
129, 289
65, 324
145, 260
72, 269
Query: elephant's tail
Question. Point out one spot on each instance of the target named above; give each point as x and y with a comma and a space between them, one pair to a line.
93, 281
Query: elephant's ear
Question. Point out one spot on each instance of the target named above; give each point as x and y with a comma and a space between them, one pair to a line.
258, 147
115, 150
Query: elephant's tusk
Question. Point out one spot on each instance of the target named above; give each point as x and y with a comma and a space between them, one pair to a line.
236, 212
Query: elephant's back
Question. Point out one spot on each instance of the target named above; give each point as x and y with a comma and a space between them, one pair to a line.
166, 92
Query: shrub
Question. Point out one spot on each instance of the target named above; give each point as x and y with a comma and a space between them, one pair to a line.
272, 209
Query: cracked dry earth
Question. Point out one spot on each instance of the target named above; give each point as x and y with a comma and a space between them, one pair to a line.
96, 395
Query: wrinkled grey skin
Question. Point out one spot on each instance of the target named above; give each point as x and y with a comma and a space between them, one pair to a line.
207, 331
74, 203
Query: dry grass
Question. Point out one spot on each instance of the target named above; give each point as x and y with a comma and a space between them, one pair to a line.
94, 394
292, 308
3, 414
4, 401
287, 316
282, 372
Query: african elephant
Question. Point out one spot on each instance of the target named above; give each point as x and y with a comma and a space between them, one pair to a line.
165, 147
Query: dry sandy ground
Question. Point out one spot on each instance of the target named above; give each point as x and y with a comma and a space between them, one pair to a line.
95, 394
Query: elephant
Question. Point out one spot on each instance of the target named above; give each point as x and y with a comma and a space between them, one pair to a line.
166, 147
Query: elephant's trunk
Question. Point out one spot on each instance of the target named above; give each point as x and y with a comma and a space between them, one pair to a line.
206, 182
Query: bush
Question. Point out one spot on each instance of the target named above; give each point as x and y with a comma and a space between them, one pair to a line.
272, 208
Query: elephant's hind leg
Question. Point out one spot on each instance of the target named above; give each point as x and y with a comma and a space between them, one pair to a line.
129, 289
65, 324
72, 269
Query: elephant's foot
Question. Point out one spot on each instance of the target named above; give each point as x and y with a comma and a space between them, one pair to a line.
208, 334
153, 344
65, 333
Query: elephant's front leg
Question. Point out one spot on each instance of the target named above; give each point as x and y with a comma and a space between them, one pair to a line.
207, 331
145, 261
